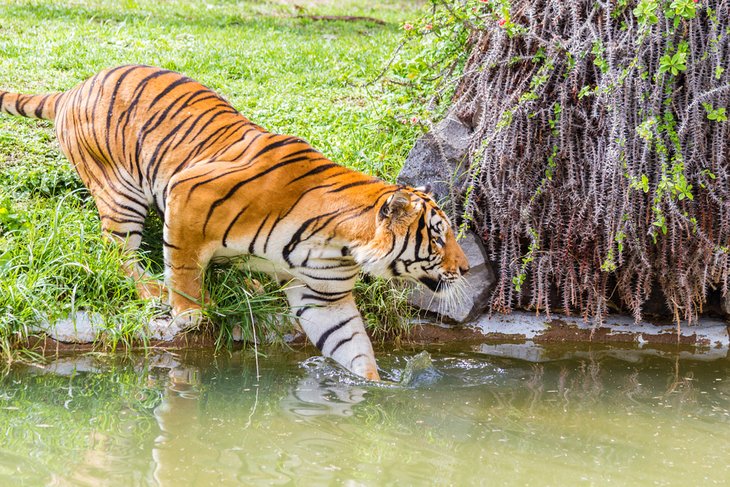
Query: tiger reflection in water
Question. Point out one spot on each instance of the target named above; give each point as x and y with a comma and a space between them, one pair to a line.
194, 442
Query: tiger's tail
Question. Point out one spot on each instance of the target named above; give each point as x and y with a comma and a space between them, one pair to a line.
34, 106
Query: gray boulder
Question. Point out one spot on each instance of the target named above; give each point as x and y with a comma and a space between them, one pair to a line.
725, 304
81, 327
437, 158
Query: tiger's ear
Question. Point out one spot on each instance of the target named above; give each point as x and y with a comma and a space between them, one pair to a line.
425, 189
397, 206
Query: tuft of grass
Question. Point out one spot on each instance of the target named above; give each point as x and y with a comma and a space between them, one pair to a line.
384, 307
248, 305
291, 75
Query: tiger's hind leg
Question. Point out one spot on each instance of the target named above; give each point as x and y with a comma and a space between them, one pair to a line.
122, 223
122, 208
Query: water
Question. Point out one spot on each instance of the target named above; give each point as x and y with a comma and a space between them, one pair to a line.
198, 419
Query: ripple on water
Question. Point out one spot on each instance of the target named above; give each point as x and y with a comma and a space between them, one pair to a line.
445, 370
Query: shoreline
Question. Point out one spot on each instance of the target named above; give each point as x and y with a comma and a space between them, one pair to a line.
519, 335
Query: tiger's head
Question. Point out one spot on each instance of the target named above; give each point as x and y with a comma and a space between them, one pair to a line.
414, 240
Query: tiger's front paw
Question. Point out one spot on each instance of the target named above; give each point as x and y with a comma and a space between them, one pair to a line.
372, 375
365, 367
166, 328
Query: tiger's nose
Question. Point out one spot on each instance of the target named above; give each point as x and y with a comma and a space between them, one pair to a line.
464, 269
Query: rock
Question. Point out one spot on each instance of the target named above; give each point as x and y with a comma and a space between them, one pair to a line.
79, 328
708, 339
84, 327
725, 304
437, 158
479, 283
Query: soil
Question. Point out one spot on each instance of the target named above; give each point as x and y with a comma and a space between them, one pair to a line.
47, 346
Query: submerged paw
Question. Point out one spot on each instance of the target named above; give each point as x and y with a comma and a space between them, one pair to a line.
166, 328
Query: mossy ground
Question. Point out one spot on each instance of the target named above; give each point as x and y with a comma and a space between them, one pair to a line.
291, 75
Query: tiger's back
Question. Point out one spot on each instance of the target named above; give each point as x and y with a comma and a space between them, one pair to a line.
145, 124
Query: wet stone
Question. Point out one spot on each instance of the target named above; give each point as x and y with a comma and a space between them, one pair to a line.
79, 328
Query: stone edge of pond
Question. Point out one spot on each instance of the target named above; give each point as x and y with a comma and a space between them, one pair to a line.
709, 339
539, 338
523, 330
712, 333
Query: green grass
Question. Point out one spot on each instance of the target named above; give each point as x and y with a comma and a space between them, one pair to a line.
291, 75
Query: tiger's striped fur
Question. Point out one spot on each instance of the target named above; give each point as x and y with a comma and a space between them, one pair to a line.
142, 137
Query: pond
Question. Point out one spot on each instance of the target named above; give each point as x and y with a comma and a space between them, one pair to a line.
588, 416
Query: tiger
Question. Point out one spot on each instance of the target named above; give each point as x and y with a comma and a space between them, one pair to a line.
143, 138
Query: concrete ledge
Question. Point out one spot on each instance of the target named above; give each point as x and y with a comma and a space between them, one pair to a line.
530, 337
558, 328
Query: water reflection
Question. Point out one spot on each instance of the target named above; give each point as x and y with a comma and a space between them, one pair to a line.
198, 419
179, 422
311, 398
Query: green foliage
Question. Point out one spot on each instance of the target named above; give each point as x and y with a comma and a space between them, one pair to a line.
519, 279
715, 114
60, 264
598, 50
251, 304
10, 218
681, 9
384, 307
674, 63
434, 52
646, 12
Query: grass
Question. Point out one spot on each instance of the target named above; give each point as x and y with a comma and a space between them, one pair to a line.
291, 75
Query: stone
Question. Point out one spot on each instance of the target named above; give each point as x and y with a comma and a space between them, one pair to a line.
438, 157
725, 304
479, 284
82, 327
707, 339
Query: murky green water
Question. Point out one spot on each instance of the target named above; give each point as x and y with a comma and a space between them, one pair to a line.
196, 419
